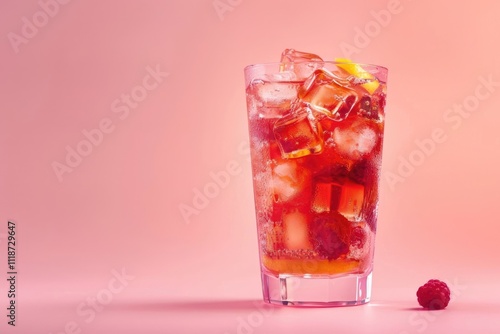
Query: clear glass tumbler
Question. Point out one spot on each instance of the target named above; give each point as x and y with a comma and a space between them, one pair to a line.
316, 150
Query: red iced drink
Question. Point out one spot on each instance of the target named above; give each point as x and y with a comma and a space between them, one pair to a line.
316, 132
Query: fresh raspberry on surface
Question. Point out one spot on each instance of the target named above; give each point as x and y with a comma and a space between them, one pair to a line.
434, 295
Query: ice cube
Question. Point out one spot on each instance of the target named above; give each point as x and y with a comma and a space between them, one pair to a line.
303, 64
270, 99
294, 56
343, 196
358, 236
282, 76
298, 133
351, 200
356, 140
358, 242
289, 180
296, 232
323, 193
328, 94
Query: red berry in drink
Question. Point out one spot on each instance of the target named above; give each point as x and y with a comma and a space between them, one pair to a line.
328, 235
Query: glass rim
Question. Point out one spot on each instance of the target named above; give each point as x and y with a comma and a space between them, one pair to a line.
333, 62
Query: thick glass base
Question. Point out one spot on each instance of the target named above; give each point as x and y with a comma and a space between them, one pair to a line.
317, 291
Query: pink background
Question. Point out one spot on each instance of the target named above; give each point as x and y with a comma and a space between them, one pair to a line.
119, 208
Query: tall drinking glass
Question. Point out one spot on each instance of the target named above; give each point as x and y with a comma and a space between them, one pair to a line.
316, 131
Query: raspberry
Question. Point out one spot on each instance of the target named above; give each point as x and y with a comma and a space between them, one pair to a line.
434, 295
328, 235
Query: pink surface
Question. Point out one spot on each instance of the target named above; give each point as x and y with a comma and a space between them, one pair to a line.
151, 94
